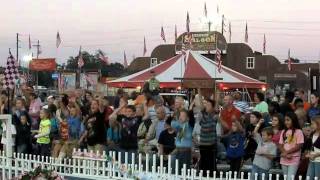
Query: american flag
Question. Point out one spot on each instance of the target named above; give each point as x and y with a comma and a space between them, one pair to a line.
289, 61
246, 34
163, 36
218, 59
175, 32
103, 58
58, 40
144, 46
29, 42
80, 59
205, 10
11, 73
264, 43
188, 23
89, 79
125, 62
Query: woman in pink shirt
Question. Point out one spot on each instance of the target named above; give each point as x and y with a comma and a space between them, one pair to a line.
291, 141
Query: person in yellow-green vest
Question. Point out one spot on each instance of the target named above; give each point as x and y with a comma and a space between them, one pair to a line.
43, 139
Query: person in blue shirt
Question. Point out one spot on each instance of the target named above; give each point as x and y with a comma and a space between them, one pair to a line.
113, 136
315, 107
235, 146
184, 128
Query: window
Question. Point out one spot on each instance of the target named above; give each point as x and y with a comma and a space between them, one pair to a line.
250, 62
153, 62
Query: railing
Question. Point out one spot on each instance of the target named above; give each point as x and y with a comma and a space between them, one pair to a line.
115, 165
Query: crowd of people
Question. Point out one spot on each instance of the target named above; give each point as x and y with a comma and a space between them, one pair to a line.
276, 133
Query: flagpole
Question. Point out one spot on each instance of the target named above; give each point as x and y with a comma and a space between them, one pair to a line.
215, 72
8, 89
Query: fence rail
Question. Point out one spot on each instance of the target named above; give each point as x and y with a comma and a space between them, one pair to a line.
115, 165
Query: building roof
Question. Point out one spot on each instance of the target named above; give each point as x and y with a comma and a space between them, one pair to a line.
191, 66
161, 52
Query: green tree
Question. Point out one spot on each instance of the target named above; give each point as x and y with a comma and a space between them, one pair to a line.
92, 62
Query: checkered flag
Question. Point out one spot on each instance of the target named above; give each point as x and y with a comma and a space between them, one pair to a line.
11, 74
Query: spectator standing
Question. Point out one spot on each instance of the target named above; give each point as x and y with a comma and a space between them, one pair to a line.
166, 139
208, 137
291, 142
299, 93
113, 136
23, 136
242, 106
34, 110
315, 106
261, 105
286, 105
155, 129
314, 154
228, 113
43, 139
95, 130
235, 146
107, 110
265, 153
300, 112
183, 127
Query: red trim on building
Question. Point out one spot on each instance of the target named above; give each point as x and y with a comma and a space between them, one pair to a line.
156, 70
194, 69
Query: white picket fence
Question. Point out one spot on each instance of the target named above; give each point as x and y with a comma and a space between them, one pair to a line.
98, 167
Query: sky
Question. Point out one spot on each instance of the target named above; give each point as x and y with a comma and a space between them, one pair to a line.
115, 26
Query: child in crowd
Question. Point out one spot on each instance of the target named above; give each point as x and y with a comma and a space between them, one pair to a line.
314, 154
166, 139
43, 139
235, 146
183, 127
113, 135
265, 153
23, 136
72, 132
277, 125
291, 142
251, 144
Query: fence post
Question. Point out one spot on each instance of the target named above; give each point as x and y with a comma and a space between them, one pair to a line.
140, 162
277, 177
241, 175
214, 175
200, 174
177, 168
221, 175
147, 162
161, 164
184, 171
169, 165
126, 159
154, 163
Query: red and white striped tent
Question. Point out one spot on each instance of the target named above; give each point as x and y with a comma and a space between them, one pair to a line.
191, 65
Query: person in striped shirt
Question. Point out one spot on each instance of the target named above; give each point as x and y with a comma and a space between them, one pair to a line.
208, 136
